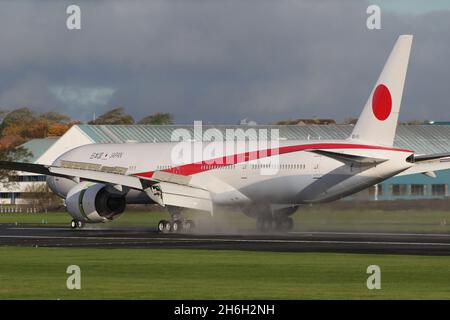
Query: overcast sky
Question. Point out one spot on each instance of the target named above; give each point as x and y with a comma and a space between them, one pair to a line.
220, 61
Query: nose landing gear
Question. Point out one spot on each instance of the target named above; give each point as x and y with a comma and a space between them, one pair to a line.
75, 224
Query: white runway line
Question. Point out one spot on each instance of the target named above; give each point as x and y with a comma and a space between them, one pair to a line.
218, 240
371, 234
37, 228
291, 232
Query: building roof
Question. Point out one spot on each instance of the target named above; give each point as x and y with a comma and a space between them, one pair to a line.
37, 147
423, 139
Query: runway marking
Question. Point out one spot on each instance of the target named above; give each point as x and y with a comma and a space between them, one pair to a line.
38, 228
235, 240
445, 235
372, 233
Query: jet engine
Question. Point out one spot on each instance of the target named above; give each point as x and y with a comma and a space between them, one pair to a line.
94, 202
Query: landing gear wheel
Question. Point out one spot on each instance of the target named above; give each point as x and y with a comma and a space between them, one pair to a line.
167, 226
289, 224
176, 226
264, 224
279, 224
284, 224
267, 226
259, 224
75, 224
188, 225
162, 226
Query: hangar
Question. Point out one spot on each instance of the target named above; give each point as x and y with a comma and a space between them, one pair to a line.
423, 139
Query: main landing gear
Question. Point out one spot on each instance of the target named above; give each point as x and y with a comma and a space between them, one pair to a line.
270, 218
175, 226
75, 224
266, 224
177, 222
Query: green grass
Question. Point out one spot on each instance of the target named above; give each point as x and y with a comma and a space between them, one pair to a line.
372, 220
40, 273
315, 219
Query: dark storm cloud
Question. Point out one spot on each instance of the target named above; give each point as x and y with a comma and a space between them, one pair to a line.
218, 61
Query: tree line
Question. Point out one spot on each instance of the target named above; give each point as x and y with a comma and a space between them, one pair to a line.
23, 124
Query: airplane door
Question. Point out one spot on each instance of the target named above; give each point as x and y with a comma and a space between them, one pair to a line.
316, 167
244, 170
245, 164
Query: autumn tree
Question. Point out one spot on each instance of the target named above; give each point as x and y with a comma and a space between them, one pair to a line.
350, 120
115, 116
157, 118
22, 115
20, 125
11, 154
56, 117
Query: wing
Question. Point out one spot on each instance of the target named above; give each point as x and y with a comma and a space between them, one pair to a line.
167, 193
77, 174
165, 188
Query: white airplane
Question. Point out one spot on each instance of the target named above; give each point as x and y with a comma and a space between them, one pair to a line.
98, 181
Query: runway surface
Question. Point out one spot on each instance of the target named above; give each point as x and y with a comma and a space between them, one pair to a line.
344, 242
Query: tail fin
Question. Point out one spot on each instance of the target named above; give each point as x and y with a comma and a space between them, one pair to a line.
378, 120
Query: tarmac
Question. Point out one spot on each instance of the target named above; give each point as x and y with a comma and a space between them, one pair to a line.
32, 235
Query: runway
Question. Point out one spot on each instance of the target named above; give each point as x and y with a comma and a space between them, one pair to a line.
339, 242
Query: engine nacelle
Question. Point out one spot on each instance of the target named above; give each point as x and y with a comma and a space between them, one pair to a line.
92, 202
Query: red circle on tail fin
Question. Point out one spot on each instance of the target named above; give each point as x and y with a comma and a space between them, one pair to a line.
381, 102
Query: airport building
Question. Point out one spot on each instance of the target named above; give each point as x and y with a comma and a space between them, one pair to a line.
423, 139
19, 185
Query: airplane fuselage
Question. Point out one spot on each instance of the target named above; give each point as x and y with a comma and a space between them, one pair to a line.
243, 174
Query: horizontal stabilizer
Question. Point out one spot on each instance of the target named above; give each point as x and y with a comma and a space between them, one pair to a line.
428, 164
427, 157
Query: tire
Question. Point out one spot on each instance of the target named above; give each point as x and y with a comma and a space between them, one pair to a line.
80, 224
259, 224
161, 226
264, 224
186, 226
279, 225
289, 224
176, 226
285, 224
267, 225
189, 225
167, 226
73, 224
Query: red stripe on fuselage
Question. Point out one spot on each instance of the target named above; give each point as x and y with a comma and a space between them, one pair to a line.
197, 167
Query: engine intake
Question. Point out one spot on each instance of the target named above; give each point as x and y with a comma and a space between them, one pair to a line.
90, 202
